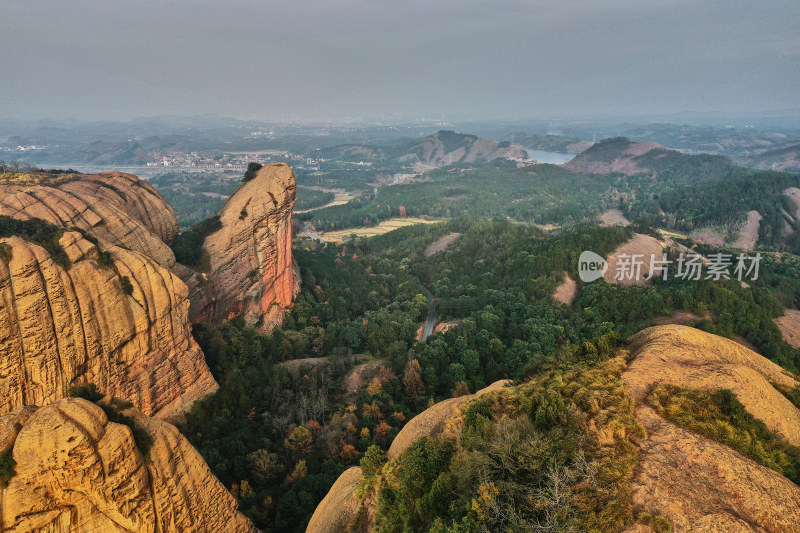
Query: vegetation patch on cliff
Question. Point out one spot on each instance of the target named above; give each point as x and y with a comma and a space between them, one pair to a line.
188, 245
38, 232
555, 453
7, 464
112, 409
6, 252
721, 416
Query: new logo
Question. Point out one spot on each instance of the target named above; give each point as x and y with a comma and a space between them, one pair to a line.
591, 266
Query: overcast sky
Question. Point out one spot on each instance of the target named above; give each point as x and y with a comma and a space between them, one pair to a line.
329, 59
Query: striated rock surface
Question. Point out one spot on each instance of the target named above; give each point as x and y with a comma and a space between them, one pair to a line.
116, 208
696, 483
78, 472
252, 272
61, 327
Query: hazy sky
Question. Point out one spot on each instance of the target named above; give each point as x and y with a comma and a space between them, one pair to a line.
329, 59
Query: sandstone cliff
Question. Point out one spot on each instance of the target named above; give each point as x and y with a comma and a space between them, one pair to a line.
252, 272
115, 208
62, 326
699, 484
78, 472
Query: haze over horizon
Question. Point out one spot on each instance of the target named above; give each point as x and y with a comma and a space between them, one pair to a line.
364, 58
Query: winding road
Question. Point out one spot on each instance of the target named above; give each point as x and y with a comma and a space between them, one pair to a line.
312, 234
431, 322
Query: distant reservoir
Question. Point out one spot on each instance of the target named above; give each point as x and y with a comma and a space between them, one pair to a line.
554, 158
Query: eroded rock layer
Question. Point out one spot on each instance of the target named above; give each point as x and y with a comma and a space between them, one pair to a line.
65, 326
78, 472
252, 273
698, 484
115, 208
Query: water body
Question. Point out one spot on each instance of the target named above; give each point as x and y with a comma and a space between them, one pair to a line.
554, 158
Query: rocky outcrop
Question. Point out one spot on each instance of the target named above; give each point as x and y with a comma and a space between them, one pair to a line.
698, 484
252, 273
118, 209
693, 482
340, 507
433, 420
123, 326
78, 472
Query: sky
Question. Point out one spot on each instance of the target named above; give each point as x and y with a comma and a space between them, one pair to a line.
356, 59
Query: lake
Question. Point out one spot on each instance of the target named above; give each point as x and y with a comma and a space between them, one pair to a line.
554, 158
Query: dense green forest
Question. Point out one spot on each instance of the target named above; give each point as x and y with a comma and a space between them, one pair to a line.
196, 196
310, 198
499, 189
676, 191
286, 420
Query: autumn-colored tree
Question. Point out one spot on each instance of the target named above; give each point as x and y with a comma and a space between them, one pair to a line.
299, 441
264, 466
375, 387
300, 470
313, 426
381, 431
372, 410
460, 389
385, 374
246, 491
413, 385
348, 453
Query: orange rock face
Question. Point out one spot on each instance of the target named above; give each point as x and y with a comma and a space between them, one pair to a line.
115, 208
698, 484
252, 271
61, 327
78, 472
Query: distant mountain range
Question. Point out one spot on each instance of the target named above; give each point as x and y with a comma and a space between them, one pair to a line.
786, 159
443, 148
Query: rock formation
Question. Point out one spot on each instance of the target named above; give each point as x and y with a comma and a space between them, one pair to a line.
122, 326
340, 506
696, 483
252, 272
78, 472
115, 208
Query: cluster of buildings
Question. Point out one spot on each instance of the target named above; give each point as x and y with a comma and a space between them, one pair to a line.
226, 161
